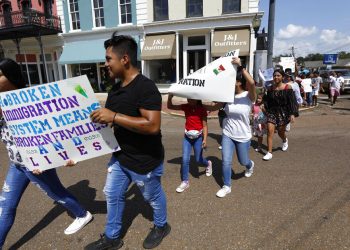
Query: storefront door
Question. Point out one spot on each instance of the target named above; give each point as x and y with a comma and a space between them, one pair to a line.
195, 60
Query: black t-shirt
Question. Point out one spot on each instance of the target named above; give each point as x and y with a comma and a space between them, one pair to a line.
139, 153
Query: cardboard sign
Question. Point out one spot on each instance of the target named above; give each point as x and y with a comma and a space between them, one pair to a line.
287, 62
266, 75
214, 82
51, 123
306, 83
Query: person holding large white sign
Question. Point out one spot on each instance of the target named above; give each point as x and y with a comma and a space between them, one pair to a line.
19, 176
236, 131
133, 106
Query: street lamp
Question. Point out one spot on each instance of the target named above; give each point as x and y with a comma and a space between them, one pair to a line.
256, 24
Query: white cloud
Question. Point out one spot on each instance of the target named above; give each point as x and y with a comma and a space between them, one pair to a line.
292, 31
321, 41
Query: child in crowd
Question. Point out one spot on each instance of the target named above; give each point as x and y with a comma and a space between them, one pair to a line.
259, 120
196, 132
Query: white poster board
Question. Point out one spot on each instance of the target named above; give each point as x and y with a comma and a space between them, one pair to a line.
287, 62
266, 75
214, 82
50, 123
306, 83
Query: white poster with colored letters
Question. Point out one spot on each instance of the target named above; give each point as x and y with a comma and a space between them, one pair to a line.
287, 63
214, 82
50, 123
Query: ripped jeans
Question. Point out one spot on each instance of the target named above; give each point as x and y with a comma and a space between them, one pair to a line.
16, 182
117, 183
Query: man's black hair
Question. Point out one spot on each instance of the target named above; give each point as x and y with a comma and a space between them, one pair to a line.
122, 45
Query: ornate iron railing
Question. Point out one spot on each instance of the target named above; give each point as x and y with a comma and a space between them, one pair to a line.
29, 17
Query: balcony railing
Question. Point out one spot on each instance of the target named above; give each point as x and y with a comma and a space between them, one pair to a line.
29, 17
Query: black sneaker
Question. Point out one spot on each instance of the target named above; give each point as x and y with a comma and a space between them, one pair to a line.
155, 237
105, 243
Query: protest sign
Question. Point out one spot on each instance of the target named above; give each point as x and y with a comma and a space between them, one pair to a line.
51, 123
306, 83
287, 62
266, 75
214, 82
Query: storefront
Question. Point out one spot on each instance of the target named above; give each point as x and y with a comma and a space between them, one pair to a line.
173, 50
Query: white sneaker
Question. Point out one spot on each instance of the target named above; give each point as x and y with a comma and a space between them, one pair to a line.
268, 156
258, 149
78, 223
285, 145
288, 127
249, 172
183, 186
209, 169
223, 191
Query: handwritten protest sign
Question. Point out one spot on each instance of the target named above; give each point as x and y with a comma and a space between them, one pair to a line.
214, 82
266, 75
306, 83
287, 62
50, 123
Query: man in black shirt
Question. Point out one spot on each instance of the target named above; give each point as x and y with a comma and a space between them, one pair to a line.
133, 107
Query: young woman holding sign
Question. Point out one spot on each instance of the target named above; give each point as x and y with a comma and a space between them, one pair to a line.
18, 176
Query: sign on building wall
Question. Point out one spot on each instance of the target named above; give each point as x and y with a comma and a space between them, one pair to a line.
229, 40
51, 123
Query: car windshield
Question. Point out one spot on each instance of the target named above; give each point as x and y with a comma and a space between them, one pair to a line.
345, 73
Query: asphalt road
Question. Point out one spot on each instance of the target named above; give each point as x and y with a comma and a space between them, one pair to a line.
298, 200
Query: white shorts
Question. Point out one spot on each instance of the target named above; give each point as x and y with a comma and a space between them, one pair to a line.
315, 92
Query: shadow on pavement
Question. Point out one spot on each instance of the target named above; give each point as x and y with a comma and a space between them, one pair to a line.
134, 205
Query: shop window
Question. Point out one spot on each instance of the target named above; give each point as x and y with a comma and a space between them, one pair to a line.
74, 14
160, 10
88, 69
196, 40
163, 71
99, 13
125, 11
194, 8
231, 6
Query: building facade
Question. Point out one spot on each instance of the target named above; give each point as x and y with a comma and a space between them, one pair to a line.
182, 36
87, 24
28, 30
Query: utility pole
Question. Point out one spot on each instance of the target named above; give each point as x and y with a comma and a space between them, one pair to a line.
271, 27
293, 51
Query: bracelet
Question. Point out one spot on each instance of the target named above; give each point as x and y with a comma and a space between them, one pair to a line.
114, 118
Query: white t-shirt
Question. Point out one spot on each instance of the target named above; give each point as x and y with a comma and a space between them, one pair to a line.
334, 82
237, 124
340, 81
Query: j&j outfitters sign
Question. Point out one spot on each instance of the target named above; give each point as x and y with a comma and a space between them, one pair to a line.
228, 40
51, 123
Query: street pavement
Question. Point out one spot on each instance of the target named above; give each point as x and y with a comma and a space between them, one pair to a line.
298, 200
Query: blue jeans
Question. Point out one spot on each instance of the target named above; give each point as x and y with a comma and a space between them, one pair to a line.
309, 98
187, 145
117, 183
242, 151
16, 182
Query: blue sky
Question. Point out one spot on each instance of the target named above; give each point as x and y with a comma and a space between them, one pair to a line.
312, 26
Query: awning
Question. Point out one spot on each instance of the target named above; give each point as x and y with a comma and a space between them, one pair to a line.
159, 47
228, 40
92, 51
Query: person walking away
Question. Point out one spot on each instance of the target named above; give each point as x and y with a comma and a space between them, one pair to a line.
335, 84
259, 121
280, 108
236, 134
316, 86
133, 107
18, 176
196, 132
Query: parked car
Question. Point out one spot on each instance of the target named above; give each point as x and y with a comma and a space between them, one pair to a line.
326, 81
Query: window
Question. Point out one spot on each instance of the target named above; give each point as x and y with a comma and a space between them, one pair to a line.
194, 8
125, 11
160, 10
99, 13
196, 40
74, 14
231, 6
